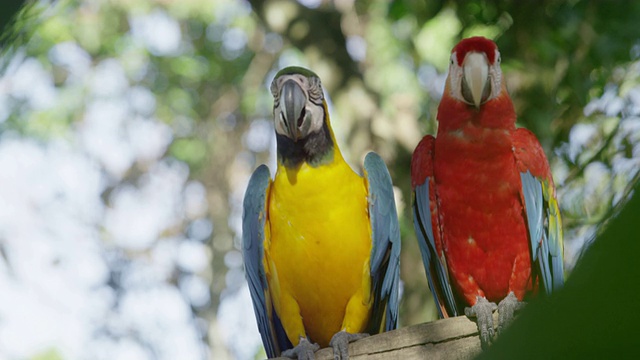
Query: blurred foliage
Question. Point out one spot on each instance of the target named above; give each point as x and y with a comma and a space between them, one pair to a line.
48, 355
8, 27
383, 64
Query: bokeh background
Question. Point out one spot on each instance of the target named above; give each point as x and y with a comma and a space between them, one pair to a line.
129, 129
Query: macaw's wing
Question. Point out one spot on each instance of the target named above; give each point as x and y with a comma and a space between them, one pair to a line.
254, 217
543, 217
385, 250
427, 227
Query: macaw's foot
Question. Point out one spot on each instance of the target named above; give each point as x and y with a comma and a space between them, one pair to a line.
506, 309
340, 344
483, 312
303, 351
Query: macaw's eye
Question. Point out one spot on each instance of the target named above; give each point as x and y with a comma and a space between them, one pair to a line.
315, 89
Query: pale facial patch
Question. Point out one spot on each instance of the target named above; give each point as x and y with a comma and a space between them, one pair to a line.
456, 74
313, 110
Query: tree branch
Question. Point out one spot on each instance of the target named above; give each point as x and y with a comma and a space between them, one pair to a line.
453, 338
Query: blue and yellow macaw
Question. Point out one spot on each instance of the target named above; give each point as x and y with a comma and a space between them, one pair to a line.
321, 244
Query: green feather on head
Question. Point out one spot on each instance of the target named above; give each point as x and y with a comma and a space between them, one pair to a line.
292, 70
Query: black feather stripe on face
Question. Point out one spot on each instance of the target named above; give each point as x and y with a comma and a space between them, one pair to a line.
315, 149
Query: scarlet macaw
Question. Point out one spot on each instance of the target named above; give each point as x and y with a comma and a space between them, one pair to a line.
484, 204
321, 244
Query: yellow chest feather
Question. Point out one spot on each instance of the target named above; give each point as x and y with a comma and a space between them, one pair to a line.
320, 242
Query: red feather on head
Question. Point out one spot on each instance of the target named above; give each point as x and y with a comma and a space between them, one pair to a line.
475, 44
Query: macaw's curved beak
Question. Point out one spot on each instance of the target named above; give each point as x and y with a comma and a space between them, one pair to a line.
476, 86
293, 105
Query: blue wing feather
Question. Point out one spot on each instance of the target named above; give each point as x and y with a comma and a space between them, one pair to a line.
385, 252
254, 216
436, 271
546, 243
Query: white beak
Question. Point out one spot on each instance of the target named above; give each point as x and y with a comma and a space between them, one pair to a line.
476, 73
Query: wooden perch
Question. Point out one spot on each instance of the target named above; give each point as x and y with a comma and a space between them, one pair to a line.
454, 338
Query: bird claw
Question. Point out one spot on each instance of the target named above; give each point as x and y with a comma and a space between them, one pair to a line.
506, 309
483, 312
303, 351
340, 343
